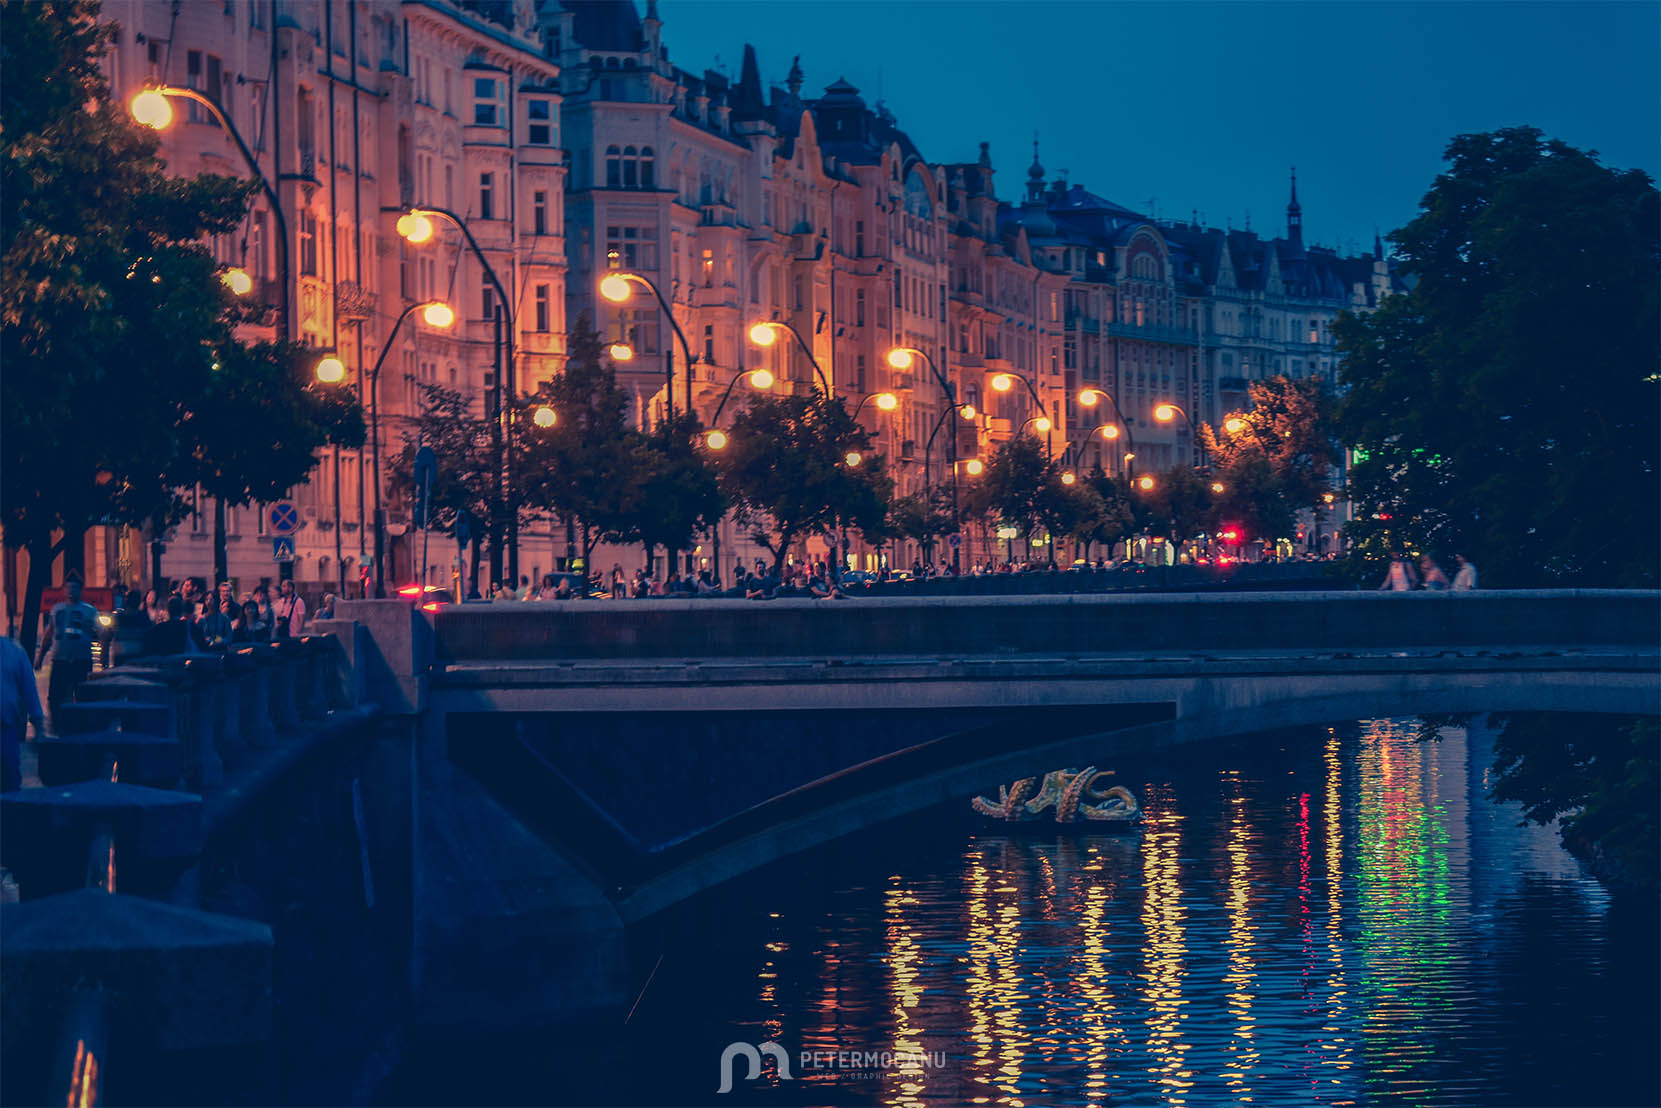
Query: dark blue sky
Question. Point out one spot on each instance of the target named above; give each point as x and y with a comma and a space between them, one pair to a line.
1206, 105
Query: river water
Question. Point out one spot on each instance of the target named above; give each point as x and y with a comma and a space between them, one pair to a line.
1331, 918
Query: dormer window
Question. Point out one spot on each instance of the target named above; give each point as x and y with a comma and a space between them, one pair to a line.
487, 102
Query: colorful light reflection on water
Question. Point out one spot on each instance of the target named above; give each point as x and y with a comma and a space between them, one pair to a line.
1333, 919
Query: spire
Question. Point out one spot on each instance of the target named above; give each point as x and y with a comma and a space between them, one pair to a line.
746, 98
1035, 174
651, 11
1378, 245
793, 82
986, 155
1294, 215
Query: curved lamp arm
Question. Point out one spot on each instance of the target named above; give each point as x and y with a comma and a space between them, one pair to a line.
824, 384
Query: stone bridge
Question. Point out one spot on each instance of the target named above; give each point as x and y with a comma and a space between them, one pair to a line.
670, 745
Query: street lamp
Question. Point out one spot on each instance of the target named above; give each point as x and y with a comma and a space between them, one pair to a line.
237, 280
435, 313
615, 286
974, 467
1145, 483
902, 359
416, 226
151, 109
760, 379
765, 333
1069, 478
544, 416
1166, 412
885, 401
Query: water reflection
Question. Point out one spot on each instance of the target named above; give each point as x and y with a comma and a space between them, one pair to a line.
1330, 919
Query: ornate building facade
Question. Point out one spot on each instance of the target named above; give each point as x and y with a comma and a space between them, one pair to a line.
560, 133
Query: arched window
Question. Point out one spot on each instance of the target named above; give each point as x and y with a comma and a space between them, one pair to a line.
631, 168
648, 173
614, 168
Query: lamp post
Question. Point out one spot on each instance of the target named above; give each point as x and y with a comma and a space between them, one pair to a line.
1004, 381
415, 226
1089, 398
1165, 412
435, 313
614, 286
765, 333
886, 401
900, 358
150, 108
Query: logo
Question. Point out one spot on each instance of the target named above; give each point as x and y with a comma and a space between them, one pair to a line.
753, 1056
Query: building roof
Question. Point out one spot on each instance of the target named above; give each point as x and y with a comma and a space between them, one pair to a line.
605, 25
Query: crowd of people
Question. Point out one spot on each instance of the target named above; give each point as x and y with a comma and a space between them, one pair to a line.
1402, 577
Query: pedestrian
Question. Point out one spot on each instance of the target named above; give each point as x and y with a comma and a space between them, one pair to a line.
1400, 576
1431, 576
19, 707
218, 625
524, 592
154, 607
71, 628
252, 628
1464, 579
617, 587
289, 612
262, 599
326, 610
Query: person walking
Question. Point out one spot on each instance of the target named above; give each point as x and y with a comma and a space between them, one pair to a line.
1431, 575
70, 630
1400, 576
289, 613
1464, 579
19, 707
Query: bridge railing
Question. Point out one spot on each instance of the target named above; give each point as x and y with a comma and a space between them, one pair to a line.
1041, 625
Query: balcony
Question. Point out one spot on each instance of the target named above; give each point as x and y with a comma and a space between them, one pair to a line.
908, 451
353, 301
1174, 336
717, 215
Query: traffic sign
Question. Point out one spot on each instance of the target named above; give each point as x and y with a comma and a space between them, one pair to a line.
282, 549
956, 540
285, 520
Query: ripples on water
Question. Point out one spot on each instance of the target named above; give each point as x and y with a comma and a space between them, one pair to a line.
1328, 920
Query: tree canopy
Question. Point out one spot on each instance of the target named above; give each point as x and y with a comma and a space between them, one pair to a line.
1507, 406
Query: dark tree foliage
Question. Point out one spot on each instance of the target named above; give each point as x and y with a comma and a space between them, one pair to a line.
1010, 490
922, 518
1507, 406
1116, 517
1179, 506
786, 470
113, 317
1280, 461
679, 494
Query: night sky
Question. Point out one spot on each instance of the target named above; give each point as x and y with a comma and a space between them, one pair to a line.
1206, 105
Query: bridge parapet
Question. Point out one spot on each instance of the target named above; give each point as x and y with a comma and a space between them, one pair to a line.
1047, 625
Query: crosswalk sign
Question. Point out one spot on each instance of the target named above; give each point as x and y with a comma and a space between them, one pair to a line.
282, 549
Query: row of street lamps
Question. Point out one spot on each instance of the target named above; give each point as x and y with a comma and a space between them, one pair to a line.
416, 225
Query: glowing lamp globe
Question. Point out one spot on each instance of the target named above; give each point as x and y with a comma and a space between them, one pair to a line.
1068, 478
1110, 432
762, 334
853, 457
761, 379
415, 228
1042, 424
716, 440
887, 401
544, 416
1002, 382
1089, 398
331, 370
621, 352
1145, 483
438, 315
1164, 413
1217, 487
151, 109
899, 358
237, 280
968, 411
974, 467
615, 288
1234, 425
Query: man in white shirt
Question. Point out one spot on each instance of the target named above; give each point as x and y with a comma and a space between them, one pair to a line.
289, 613
1465, 579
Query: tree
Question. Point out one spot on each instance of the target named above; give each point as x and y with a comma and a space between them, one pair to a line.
587, 469
679, 493
1114, 521
922, 518
1011, 488
1254, 499
1179, 505
113, 317
463, 481
1290, 425
786, 468
1073, 511
237, 460
1506, 406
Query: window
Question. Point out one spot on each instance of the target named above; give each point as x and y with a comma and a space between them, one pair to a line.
647, 170
632, 247
859, 308
709, 268
487, 303
709, 344
614, 168
631, 167
487, 91
859, 372
899, 289
859, 238
542, 307
540, 131
487, 194
308, 244
539, 212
